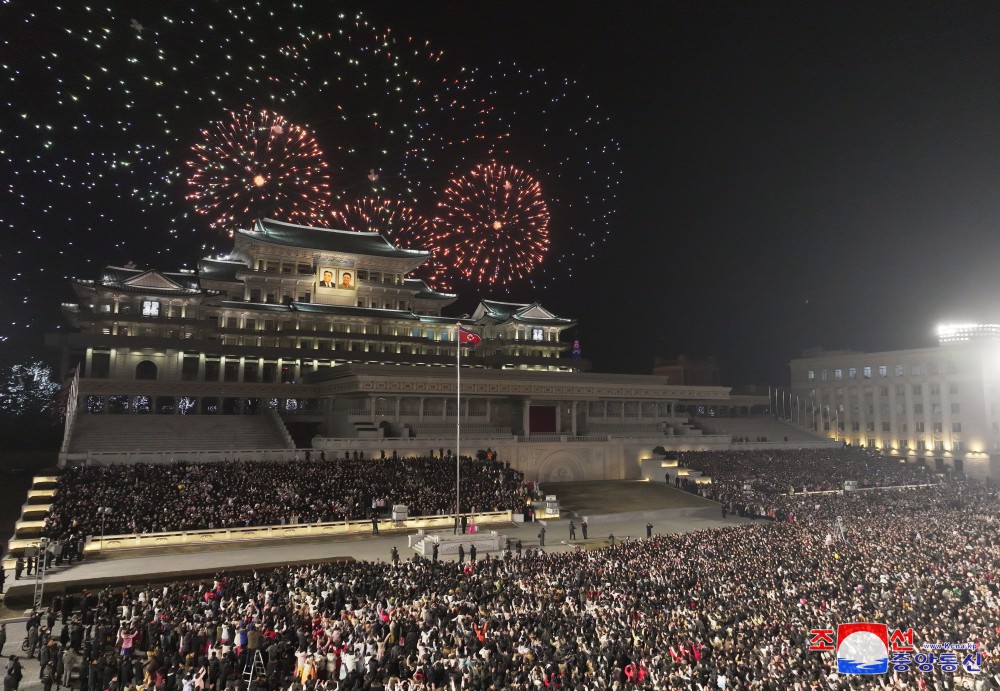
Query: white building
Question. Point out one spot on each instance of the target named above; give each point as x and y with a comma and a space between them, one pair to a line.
317, 338
939, 405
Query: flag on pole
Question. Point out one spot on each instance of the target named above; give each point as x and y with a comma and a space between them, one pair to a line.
466, 337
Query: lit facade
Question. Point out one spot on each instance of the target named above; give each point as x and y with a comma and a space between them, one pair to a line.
323, 333
939, 404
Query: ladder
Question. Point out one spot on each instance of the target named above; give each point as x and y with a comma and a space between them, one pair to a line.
254, 668
41, 557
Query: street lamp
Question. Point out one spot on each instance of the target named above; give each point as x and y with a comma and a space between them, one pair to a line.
103, 512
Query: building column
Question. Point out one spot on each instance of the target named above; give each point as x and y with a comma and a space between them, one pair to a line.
573, 421
489, 410
420, 414
526, 418
559, 419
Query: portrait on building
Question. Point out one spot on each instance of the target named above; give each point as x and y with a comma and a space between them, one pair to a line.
336, 279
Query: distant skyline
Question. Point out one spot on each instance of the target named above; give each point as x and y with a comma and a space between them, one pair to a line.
791, 175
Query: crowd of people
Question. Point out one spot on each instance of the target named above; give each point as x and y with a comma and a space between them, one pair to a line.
729, 608
147, 498
759, 483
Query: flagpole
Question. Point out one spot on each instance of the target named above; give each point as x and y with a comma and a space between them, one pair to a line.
458, 425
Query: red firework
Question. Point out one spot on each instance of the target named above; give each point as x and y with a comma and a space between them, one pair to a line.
256, 164
392, 218
494, 225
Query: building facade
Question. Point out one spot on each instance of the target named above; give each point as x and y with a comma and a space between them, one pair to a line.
324, 336
938, 405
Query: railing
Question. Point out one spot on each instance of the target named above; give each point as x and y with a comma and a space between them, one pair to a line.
275, 532
111, 457
71, 407
277, 421
867, 489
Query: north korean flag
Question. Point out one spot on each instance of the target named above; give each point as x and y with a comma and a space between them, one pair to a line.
466, 337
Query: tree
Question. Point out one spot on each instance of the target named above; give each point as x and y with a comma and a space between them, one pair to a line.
28, 391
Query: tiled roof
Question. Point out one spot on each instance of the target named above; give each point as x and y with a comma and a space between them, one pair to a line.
346, 310
346, 241
218, 269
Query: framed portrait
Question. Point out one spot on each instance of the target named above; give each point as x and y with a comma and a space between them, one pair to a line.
333, 278
347, 280
326, 277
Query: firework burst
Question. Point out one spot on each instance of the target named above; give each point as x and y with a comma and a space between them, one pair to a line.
255, 164
549, 124
392, 218
494, 225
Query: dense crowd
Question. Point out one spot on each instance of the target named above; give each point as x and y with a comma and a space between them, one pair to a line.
191, 496
759, 483
721, 609
727, 608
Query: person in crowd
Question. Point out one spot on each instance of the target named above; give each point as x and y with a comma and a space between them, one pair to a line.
147, 498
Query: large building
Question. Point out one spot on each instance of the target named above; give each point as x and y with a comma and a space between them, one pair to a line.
938, 405
319, 338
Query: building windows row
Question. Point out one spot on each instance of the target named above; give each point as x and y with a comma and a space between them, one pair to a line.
916, 370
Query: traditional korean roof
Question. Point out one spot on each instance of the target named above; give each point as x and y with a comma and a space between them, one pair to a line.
327, 239
145, 281
533, 314
346, 310
425, 292
219, 269
254, 306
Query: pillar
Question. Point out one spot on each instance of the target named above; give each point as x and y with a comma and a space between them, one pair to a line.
573, 421
526, 418
559, 419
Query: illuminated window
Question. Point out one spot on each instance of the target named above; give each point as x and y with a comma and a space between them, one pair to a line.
811, 375
900, 370
852, 373
824, 375
883, 371
956, 446
838, 374
150, 308
867, 372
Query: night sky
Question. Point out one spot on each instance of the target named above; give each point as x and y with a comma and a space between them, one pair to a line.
783, 176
